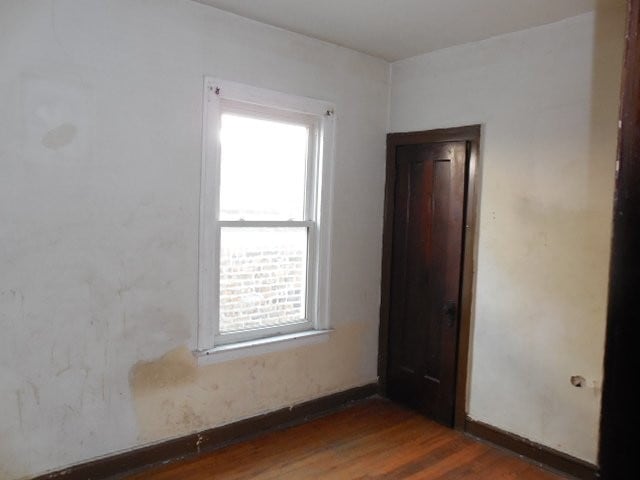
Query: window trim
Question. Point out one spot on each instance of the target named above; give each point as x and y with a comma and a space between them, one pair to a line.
221, 96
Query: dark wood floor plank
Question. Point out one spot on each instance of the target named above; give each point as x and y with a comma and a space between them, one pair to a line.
371, 440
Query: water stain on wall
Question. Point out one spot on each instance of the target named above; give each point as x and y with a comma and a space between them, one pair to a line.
174, 396
175, 367
57, 116
60, 136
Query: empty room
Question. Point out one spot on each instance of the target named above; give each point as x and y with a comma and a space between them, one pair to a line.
340, 239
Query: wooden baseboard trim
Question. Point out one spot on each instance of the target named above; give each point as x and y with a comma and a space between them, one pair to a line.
209, 440
533, 451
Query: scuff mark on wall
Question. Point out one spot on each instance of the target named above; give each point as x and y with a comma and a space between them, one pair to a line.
35, 390
19, 403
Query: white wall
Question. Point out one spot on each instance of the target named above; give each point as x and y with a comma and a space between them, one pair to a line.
100, 153
100, 144
547, 99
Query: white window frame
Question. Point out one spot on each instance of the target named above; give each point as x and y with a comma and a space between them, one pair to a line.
226, 96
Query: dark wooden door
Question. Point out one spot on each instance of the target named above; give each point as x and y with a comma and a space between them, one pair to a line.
427, 236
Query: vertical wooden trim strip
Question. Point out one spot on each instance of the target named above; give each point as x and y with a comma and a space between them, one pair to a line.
470, 239
620, 415
387, 236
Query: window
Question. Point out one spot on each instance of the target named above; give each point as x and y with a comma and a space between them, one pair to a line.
264, 227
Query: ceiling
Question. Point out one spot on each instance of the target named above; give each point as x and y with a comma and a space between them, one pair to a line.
397, 29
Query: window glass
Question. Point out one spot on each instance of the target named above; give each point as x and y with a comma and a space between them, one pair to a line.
262, 170
262, 277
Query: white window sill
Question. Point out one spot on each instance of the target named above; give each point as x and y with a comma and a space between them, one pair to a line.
234, 351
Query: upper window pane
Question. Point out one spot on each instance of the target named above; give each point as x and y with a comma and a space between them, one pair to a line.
263, 169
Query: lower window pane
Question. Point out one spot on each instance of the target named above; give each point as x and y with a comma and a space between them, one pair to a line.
262, 277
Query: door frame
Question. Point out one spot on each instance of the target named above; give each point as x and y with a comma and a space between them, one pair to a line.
619, 417
471, 135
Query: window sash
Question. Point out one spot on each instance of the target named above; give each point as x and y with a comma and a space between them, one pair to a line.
309, 212
311, 122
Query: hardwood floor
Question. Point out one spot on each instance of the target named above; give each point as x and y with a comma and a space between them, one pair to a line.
374, 439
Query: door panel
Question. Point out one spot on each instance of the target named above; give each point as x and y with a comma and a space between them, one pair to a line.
425, 276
